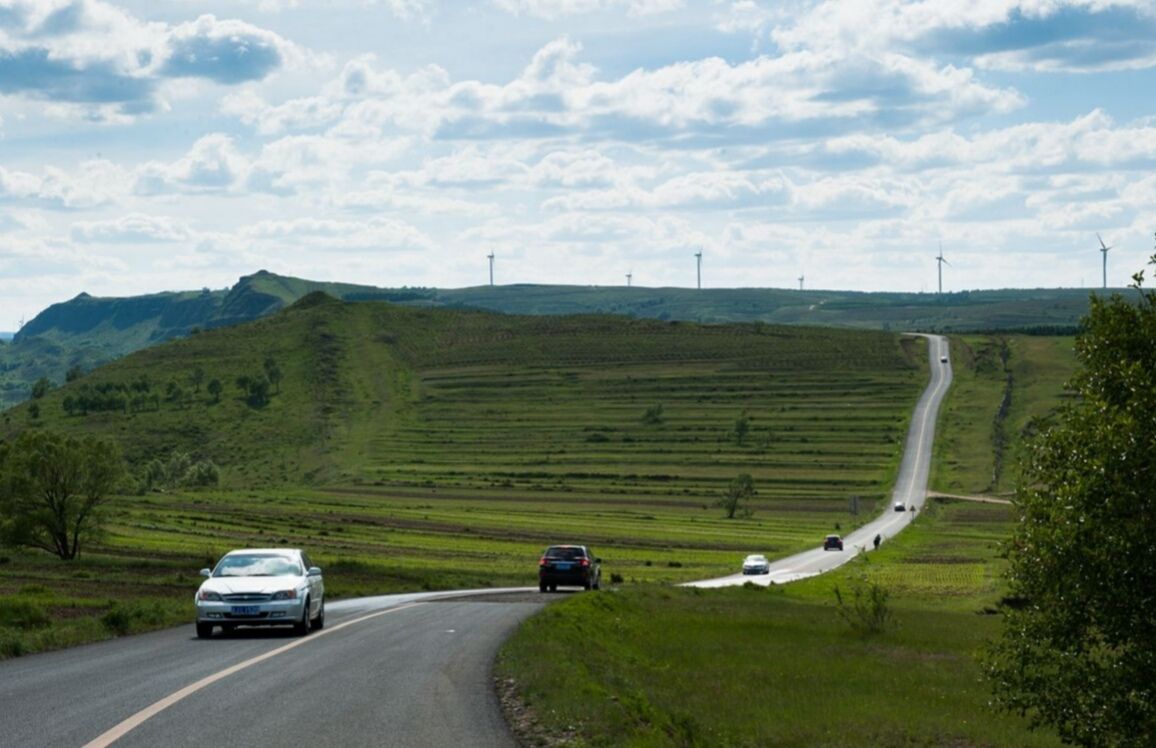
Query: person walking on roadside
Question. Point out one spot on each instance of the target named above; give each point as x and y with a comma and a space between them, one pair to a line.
878, 540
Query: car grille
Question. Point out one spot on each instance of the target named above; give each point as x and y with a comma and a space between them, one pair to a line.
247, 597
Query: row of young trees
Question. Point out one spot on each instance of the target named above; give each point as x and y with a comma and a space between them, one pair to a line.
139, 395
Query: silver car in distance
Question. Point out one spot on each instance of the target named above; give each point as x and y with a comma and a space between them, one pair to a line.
756, 564
261, 587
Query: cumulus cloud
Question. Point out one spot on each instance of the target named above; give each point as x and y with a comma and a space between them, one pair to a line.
213, 164
93, 184
559, 8
106, 63
132, 228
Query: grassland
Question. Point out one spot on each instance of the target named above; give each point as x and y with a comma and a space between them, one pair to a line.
426, 449
1004, 386
660, 666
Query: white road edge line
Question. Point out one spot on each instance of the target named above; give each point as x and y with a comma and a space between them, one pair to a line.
136, 720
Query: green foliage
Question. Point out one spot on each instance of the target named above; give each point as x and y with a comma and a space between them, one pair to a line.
653, 415
742, 428
53, 489
735, 500
179, 471
40, 388
23, 613
868, 611
1078, 653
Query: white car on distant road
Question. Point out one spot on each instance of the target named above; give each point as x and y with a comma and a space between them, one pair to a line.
261, 587
756, 564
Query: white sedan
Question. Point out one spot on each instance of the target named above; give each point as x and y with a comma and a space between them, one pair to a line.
756, 564
261, 587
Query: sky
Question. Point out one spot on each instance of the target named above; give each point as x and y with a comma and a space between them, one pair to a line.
151, 146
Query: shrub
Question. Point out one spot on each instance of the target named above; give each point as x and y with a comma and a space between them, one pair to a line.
868, 612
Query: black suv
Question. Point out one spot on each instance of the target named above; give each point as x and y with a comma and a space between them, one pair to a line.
573, 565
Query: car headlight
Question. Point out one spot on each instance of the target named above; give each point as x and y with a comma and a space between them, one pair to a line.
209, 596
285, 595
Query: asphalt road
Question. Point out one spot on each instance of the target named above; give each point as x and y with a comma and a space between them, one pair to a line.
910, 489
397, 670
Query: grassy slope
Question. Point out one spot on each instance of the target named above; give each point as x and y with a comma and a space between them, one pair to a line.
753, 667
966, 451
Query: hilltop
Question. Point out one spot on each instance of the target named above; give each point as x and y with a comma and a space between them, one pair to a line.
87, 331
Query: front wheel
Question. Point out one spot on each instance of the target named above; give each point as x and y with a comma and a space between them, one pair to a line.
318, 623
204, 630
542, 587
301, 628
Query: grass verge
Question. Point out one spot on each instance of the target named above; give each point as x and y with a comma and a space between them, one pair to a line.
754, 666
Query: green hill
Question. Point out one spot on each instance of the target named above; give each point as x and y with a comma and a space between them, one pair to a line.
374, 392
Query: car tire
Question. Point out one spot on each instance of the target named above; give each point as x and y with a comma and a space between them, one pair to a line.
228, 628
542, 587
301, 628
204, 630
318, 623
553, 588
587, 585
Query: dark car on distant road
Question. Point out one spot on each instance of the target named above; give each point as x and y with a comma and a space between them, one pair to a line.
569, 565
833, 543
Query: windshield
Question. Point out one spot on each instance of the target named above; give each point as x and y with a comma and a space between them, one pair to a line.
566, 553
257, 565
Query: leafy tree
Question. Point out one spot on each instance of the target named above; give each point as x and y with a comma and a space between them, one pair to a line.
53, 489
256, 389
1078, 651
73, 373
735, 499
653, 415
215, 387
196, 378
40, 388
742, 428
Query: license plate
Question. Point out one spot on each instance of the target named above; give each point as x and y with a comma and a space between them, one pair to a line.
562, 567
246, 610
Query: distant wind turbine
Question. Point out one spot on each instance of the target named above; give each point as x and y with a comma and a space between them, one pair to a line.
801, 277
628, 277
490, 256
698, 257
1104, 250
941, 263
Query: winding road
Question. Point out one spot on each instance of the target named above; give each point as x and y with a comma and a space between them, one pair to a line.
910, 489
395, 670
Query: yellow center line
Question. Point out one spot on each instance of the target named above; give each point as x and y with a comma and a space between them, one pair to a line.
136, 720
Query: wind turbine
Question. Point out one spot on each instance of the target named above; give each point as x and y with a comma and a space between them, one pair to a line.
698, 257
941, 262
1104, 250
490, 257
801, 277
629, 275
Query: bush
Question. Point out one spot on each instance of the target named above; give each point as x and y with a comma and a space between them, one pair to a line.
868, 612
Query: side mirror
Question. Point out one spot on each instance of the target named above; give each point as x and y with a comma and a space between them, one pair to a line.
314, 571
206, 572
